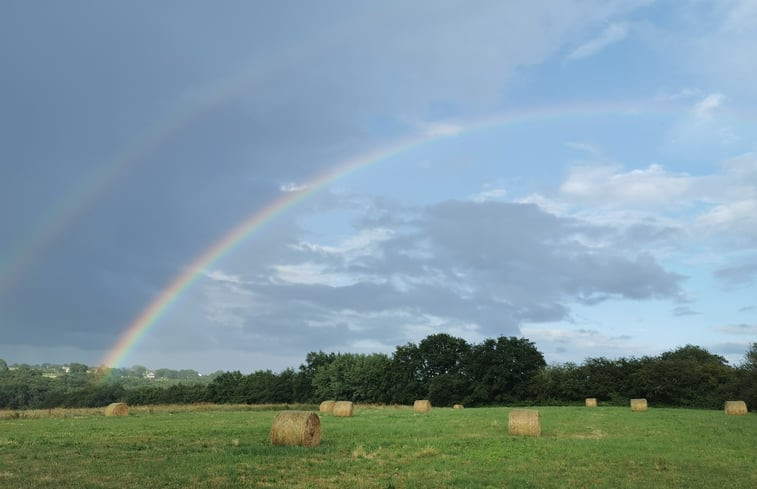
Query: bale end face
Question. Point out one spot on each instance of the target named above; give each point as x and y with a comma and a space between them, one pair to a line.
327, 406
638, 404
343, 408
422, 406
591, 402
735, 408
301, 428
524, 422
117, 409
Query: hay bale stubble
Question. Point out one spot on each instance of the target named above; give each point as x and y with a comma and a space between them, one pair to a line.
591, 402
524, 422
117, 409
327, 406
422, 406
343, 408
301, 428
735, 408
638, 404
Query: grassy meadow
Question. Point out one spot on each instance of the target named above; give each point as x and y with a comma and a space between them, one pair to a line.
379, 447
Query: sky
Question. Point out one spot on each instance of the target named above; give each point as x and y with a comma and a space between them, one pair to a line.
235, 184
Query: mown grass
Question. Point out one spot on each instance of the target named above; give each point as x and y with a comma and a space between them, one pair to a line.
381, 448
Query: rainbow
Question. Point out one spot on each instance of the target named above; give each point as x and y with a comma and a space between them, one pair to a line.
91, 188
255, 221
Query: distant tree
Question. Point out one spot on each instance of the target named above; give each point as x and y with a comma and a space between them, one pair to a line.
746, 382
353, 377
448, 389
227, 388
688, 376
77, 368
750, 358
307, 371
138, 370
501, 370
405, 376
441, 354
3, 366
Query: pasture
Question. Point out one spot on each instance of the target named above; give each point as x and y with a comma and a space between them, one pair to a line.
378, 447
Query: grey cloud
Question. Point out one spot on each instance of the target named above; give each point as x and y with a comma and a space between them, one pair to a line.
494, 265
738, 275
684, 311
729, 349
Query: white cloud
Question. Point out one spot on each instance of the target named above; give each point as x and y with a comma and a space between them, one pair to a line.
741, 17
612, 34
219, 276
682, 94
489, 194
441, 129
292, 187
585, 147
608, 186
552, 206
314, 274
362, 243
738, 218
708, 104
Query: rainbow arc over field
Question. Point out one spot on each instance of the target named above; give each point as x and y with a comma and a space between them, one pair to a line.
151, 315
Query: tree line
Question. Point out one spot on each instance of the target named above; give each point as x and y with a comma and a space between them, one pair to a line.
441, 368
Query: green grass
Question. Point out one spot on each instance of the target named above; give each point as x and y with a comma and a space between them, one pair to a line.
382, 448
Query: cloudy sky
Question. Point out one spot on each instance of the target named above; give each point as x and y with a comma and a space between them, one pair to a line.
581, 173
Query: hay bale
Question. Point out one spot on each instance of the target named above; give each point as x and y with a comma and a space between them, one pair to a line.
524, 422
117, 409
422, 406
735, 408
638, 404
327, 406
457, 406
301, 428
591, 402
343, 408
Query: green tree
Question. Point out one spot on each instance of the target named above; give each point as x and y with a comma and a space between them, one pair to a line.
688, 376
501, 370
441, 354
353, 377
227, 388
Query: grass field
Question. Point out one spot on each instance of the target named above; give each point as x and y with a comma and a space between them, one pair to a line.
390, 447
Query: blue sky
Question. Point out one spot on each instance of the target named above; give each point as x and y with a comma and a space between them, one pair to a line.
588, 177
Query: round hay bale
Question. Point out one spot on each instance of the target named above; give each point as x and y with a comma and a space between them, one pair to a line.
117, 409
422, 406
457, 406
638, 404
327, 406
343, 408
301, 428
735, 408
591, 402
524, 422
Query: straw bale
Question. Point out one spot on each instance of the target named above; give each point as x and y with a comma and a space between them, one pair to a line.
591, 402
735, 408
327, 406
422, 406
457, 406
117, 409
638, 404
301, 428
343, 408
526, 422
